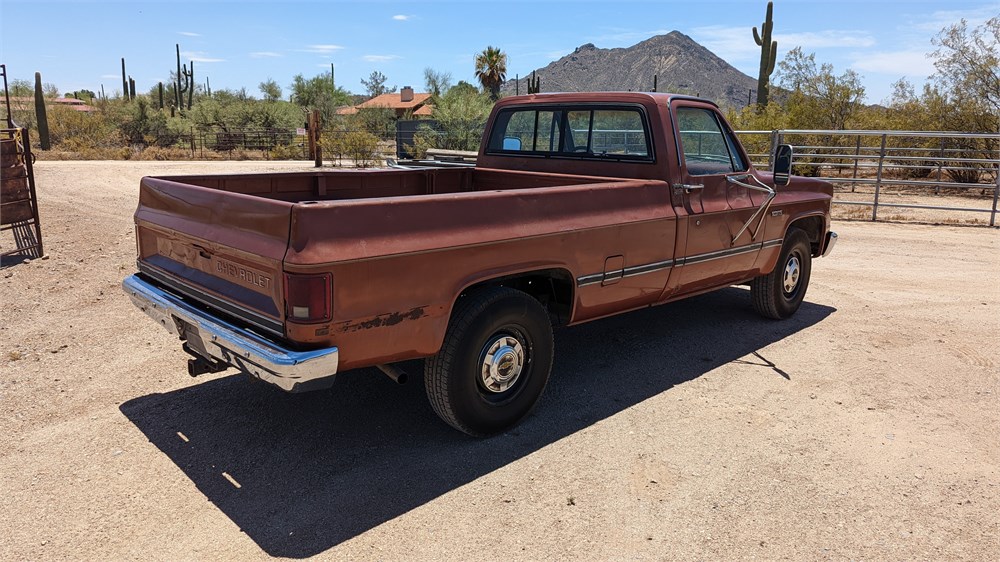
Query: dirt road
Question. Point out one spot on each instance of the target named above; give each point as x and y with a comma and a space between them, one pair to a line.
866, 427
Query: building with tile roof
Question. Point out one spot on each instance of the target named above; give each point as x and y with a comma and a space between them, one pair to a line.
403, 101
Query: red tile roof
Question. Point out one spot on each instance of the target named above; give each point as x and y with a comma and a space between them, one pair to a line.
394, 101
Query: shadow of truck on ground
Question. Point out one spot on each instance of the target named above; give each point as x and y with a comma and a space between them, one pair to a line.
317, 469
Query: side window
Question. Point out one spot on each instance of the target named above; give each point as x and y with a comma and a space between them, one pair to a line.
521, 127
572, 132
708, 148
621, 132
527, 131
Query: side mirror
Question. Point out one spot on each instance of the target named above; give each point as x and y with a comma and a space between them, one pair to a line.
511, 143
783, 164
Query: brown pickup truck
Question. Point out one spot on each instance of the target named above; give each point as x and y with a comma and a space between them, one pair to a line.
580, 206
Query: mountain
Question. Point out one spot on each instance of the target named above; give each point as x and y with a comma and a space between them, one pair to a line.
681, 65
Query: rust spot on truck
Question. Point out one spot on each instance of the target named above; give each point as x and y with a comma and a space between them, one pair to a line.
382, 320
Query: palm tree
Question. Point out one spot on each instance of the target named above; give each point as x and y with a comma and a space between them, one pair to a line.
491, 70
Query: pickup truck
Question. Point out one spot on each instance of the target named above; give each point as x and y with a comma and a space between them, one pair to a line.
579, 206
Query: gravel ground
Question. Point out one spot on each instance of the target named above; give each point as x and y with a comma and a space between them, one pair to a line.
863, 428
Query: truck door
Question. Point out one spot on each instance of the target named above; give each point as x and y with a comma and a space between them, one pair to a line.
717, 207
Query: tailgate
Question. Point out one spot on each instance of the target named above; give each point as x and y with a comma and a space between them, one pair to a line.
219, 249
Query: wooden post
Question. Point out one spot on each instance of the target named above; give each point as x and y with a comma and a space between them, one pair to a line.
315, 150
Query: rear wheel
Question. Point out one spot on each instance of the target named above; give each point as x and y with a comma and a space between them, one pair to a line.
779, 293
494, 363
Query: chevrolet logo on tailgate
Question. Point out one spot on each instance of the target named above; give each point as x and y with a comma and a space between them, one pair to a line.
242, 273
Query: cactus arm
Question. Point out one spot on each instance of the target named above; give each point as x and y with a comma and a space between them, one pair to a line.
774, 57
756, 36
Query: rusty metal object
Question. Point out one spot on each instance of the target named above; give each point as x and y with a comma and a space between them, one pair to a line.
18, 202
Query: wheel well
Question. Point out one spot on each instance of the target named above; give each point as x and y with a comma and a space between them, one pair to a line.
553, 288
813, 227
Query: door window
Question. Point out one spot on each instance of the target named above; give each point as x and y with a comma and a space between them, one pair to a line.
708, 146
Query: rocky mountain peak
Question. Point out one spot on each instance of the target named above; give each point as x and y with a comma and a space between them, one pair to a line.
680, 64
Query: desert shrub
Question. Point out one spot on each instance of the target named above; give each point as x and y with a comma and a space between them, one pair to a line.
359, 146
73, 130
362, 147
162, 153
286, 152
378, 121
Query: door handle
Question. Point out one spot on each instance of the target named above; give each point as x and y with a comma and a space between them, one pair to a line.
689, 187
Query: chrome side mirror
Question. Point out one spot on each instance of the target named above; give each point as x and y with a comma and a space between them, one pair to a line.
783, 164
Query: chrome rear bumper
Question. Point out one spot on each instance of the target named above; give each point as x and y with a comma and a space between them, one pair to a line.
831, 241
222, 342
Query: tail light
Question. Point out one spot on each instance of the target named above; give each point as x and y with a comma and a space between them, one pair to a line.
308, 298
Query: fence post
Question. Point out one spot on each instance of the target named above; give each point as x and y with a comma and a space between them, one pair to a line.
996, 192
878, 178
937, 188
857, 156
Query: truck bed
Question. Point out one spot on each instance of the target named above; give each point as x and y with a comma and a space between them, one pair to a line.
339, 185
227, 243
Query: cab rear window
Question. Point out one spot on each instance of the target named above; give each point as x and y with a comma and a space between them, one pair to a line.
619, 133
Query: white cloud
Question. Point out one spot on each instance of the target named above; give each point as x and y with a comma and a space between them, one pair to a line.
199, 56
189, 34
111, 76
832, 38
264, 55
402, 17
914, 64
323, 49
379, 58
943, 18
730, 43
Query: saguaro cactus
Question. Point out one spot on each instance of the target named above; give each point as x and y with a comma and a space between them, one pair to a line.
40, 116
768, 54
124, 82
534, 84
185, 82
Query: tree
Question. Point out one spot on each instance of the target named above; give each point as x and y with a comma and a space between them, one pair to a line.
270, 90
436, 82
85, 95
491, 70
461, 114
968, 68
375, 85
819, 99
21, 88
319, 93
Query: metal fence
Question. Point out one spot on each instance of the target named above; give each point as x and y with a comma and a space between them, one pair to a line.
871, 168
271, 143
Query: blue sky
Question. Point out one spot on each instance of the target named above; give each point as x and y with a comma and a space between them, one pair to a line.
79, 44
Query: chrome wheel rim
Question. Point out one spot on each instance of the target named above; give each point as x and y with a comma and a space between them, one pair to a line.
790, 279
502, 363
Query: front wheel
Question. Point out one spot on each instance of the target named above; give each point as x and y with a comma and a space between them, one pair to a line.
779, 294
494, 363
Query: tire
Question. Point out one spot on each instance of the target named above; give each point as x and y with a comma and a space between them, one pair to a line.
494, 363
779, 294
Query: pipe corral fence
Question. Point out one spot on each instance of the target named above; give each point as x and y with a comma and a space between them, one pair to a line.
914, 173
882, 169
